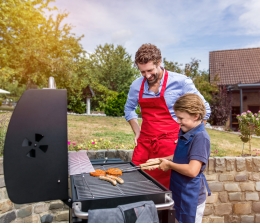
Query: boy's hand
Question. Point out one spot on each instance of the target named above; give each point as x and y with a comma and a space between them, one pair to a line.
165, 164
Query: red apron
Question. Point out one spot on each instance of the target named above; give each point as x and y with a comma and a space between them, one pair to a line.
159, 131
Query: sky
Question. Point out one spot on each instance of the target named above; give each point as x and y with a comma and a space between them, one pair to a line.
182, 29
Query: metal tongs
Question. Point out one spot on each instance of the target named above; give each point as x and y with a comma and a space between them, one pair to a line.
144, 166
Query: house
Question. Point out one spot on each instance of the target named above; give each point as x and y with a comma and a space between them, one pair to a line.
239, 71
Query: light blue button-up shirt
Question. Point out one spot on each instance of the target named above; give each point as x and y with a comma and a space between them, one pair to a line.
177, 85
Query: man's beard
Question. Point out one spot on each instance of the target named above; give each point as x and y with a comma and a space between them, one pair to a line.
153, 78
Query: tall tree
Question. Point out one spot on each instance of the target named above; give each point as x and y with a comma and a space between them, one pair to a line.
172, 66
112, 67
34, 47
111, 71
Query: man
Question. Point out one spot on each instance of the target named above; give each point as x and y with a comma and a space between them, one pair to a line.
156, 92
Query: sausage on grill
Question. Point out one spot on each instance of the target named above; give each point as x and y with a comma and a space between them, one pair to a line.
108, 179
118, 179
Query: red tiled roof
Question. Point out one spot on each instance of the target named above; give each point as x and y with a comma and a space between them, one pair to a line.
235, 66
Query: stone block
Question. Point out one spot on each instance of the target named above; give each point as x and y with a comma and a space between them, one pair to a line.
257, 218
256, 207
226, 177
215, 219
220, 164
40, 207
232, 187
256, 164
252, 196
61, 216
18, 220
32, 219
223, 209
241, 177
47, 218
211, 177
242, 208
240, 164
123, 154
213, 198
56, 204
223, 197
205, 220
247, 186
249, 164
91, 154
216, 186
247, 218
130, 155
3, 193
100, 154
233, 219
257, 186
18, 206
5, 205
24, 212
254, 176
230, 164
209, 210
237, 196
211, 164
1, 166
111, 154
7, 217
2, 181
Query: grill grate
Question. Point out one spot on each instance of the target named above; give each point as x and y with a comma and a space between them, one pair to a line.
89, 187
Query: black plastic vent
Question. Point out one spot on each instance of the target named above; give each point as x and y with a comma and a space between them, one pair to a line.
32, 152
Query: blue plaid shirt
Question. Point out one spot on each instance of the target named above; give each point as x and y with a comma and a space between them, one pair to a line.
177, 85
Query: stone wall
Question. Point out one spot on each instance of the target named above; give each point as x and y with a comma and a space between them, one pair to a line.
235, 187
234, 182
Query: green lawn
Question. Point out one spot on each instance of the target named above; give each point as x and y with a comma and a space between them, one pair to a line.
84, 129
100, 132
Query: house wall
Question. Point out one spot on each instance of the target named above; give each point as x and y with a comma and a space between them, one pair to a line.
234, 183
253, 99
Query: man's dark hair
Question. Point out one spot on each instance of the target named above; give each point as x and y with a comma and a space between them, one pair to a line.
147, 53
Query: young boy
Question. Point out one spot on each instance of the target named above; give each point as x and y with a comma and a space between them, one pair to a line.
188, 183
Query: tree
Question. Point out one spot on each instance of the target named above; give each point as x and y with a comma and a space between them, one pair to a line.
220, 107
172, 66
33, 47
110, 71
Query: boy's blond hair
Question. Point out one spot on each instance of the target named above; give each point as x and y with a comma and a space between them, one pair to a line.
190, 103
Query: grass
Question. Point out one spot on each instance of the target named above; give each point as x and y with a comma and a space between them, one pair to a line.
84, 129
98, 132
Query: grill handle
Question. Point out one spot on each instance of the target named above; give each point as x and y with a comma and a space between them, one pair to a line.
76, 207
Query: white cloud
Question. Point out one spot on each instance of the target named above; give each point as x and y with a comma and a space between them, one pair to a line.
182, 29
250, 19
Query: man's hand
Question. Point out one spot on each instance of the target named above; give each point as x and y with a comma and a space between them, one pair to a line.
136, 138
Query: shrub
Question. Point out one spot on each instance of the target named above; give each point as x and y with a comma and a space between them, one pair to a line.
76, 105
249, 124
115, 105
4, 120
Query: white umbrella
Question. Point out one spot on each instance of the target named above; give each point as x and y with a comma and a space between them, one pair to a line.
4, 91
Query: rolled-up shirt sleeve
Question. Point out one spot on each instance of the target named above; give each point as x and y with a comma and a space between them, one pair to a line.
132, 102
189, 87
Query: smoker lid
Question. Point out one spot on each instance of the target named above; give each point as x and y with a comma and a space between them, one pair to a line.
35, 150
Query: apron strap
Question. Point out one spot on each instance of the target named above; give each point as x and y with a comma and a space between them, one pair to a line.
163, 86
142, 89
164, 83
206, 184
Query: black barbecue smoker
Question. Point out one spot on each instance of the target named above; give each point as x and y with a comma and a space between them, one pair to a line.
36, 163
